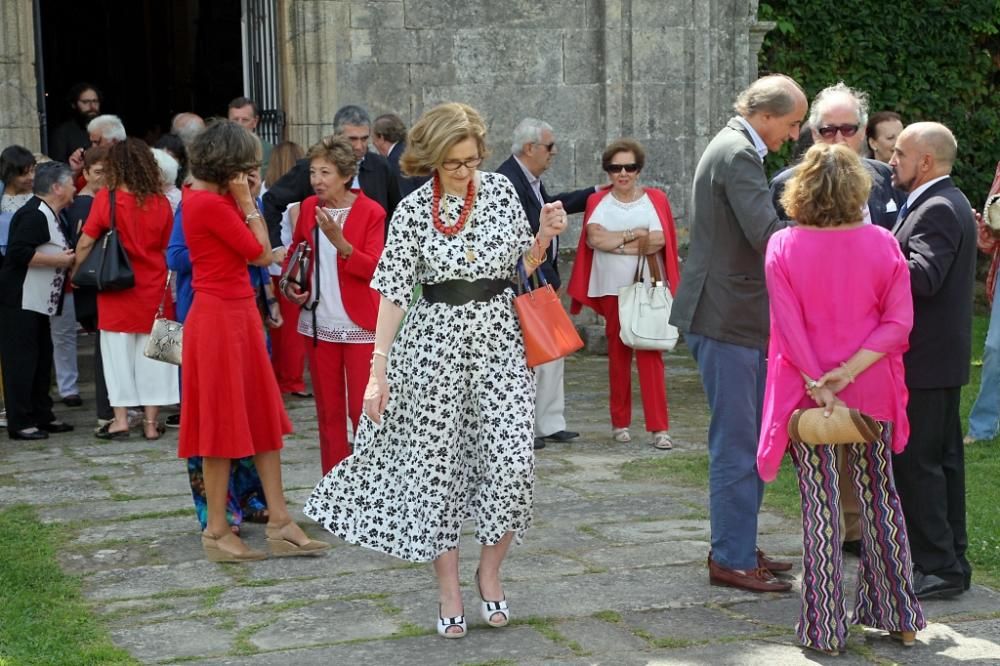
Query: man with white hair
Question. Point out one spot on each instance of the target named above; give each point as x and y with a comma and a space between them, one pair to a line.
532, 148
187, 125
839, 114
937, 233
106, 130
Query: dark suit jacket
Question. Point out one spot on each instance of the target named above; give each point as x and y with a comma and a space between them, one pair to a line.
406, 183
573, 202
938, 239
722, 294
376, 178
66, 138
884, 201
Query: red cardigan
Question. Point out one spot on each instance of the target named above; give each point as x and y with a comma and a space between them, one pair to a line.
579, 282
364, 228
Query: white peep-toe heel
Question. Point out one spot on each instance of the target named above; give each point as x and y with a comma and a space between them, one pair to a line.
490, 608
446, 623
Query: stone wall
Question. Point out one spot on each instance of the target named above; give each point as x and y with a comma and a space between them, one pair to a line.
18, 98
663, 71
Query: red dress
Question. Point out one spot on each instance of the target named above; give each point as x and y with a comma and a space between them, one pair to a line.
232, 407
144, 231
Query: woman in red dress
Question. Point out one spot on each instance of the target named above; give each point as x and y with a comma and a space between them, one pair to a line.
232, 407
346, 231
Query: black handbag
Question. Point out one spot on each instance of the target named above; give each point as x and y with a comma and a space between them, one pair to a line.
107, 267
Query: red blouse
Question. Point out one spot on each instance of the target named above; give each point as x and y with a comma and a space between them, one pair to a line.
220, 243
144, 231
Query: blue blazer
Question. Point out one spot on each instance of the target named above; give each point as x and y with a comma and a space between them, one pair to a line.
573, 202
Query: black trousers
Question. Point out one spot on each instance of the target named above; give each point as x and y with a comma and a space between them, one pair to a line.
104, 410
930, 479
26, 353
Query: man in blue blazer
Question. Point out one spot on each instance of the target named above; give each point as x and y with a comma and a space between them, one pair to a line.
838, 115
533, 147
937, 233
389, 139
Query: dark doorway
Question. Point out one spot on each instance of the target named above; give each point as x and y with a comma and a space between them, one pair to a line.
150, 58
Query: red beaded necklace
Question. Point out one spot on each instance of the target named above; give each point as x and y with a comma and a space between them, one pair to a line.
470, 193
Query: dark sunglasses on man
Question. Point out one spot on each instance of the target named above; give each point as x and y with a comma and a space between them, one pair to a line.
617, 168
830, 131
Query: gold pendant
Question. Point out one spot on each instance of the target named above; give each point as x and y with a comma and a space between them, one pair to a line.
470, 255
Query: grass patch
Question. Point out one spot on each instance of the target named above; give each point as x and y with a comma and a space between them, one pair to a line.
43, 618
614, 617
588, 530
491, 662
982, 468
410, 630
547, 628
241, 643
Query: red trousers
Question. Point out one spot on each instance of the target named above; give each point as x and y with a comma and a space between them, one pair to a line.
339, 375
288, 347
652, 383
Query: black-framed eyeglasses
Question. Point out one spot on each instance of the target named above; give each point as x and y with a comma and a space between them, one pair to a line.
547, 146
830, 131
455, 165
617, 168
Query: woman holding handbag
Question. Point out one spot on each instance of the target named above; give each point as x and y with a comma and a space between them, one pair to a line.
346, 231
624, 226
841, 314
450, 399
134, 204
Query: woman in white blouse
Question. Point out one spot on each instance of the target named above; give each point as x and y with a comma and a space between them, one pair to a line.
346, 232
622, 225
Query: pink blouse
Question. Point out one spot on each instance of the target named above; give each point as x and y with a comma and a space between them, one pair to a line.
833, 292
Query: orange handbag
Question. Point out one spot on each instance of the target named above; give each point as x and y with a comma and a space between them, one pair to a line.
548, 331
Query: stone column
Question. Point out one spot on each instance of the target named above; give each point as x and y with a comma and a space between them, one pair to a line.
19, 107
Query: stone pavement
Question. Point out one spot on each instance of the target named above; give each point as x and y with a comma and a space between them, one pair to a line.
613, 571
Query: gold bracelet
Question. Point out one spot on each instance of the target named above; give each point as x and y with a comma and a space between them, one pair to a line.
252, 216
530, 260
376, 352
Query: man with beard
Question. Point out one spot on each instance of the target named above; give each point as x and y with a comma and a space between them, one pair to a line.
71, 137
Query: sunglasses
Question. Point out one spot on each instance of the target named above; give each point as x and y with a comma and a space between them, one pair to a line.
617, 168
830, 131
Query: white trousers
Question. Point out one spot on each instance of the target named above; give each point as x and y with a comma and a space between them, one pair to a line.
550, 400
132, 378
63, 328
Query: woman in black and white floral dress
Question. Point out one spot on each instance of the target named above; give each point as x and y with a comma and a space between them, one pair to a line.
450, 406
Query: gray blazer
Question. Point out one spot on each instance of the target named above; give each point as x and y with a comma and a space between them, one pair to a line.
722, 294
884, 201
938, 239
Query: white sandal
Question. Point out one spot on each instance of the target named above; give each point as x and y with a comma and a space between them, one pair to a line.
621, 435
662, 441
490, 608
444, 624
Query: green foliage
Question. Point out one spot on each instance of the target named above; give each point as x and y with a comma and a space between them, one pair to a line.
925, 59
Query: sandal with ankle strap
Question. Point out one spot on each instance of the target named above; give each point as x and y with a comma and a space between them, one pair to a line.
446, 623
490, 608
160, 429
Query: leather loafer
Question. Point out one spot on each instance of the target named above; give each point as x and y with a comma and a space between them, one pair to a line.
774, 566
753, 580
562, 436
72, 400
56, 426
539, 443
929, 586
29, 435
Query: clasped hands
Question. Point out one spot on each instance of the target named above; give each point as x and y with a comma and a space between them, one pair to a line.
825, 389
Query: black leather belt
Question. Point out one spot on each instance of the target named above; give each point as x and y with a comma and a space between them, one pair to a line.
460, 292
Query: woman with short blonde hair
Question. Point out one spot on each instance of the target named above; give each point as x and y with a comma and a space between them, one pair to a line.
841, 314
450, 399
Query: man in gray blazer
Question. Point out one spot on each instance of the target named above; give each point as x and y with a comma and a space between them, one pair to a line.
937, 233
721, 305
838, 115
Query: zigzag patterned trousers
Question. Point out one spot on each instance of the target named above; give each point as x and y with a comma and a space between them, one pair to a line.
885, 598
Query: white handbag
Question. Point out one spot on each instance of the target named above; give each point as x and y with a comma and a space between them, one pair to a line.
166, 337
644, 311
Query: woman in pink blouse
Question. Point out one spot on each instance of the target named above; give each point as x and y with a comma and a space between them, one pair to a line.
841, 314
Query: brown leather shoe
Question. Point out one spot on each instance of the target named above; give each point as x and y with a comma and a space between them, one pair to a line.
774, 566
753, 580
